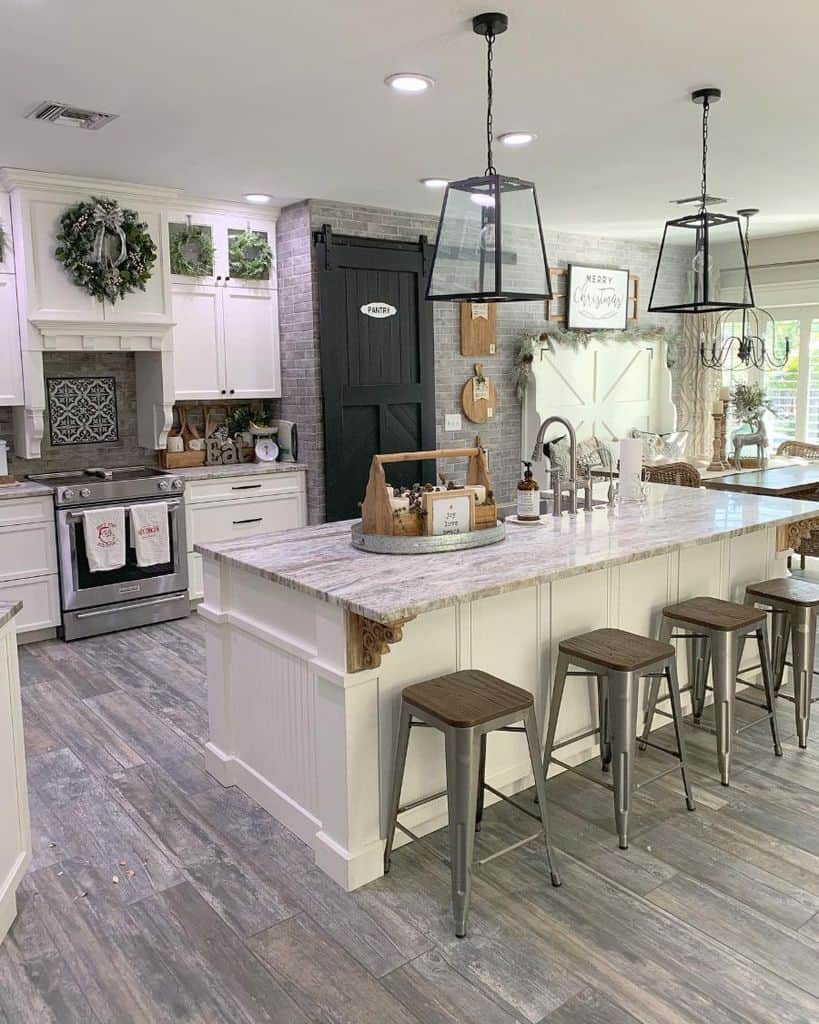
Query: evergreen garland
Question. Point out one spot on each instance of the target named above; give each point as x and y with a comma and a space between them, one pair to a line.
106, 273
249, 256
553, 333
191, 250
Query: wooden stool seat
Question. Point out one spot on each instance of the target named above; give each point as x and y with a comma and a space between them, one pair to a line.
616, 649
468, 699
788, 591
714, 613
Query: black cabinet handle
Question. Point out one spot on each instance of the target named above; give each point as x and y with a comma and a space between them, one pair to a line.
242, 522
218, 277
227, 279
245, 487
224, 392
233, 391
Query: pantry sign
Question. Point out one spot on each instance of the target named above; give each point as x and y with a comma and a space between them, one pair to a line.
597, 298
378, 310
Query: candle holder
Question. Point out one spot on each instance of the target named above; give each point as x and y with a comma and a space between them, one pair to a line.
725, 458
718, 460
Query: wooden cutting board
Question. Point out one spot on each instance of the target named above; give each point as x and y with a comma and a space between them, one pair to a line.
479, 398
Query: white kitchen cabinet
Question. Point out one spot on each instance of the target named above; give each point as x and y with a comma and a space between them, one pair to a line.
225, 508
225, 342
28, 561
222, 225
11, 361
15, 835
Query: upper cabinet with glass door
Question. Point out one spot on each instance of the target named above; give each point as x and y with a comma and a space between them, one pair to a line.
224, 248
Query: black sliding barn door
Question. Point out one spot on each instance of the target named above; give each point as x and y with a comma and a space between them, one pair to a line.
377, 362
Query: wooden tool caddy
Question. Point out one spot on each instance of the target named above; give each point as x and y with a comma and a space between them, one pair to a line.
378, 515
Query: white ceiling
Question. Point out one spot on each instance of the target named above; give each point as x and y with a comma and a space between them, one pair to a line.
257, 95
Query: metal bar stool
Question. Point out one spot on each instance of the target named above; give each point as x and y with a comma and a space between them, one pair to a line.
716, 631
619, 660
465, 706
792, 606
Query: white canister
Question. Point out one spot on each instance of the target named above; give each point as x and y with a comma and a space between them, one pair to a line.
175, 443
4, 460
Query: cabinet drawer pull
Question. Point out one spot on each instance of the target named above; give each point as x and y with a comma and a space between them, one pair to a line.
242, 522
245, 487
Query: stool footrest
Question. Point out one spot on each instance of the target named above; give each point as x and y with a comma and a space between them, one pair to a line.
583, 775
508, 849
420, 803
659, 775
512, 801
426, 842
574, 739
665, 750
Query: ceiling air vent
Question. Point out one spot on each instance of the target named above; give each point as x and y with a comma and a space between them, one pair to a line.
74, 117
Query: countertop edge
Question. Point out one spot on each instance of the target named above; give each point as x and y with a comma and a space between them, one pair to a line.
8, 610
490, 590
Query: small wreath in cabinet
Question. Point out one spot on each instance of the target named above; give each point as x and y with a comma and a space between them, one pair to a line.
191, 250
249, 256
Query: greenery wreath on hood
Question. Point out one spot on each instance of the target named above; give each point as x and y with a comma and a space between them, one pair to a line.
106, 250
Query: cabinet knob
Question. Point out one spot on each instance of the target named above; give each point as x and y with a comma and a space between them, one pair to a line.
218, 277
227, 279
224, 392
233, 391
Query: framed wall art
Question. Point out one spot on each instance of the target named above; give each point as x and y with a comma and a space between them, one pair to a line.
597, 298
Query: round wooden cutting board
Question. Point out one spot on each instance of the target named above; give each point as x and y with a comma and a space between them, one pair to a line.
482, 409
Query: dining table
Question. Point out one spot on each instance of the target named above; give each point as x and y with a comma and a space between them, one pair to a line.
796, 481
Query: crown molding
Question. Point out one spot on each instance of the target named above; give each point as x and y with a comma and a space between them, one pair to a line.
44, 181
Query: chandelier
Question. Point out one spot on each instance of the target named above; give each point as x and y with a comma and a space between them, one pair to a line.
755, 342
490, 244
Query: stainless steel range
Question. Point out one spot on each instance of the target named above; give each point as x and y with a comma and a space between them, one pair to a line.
133, 595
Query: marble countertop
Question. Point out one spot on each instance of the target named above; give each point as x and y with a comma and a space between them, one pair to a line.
23, 489
8, 609
237, 469
321, 561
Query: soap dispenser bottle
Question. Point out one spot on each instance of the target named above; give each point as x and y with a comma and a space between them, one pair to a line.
528, 496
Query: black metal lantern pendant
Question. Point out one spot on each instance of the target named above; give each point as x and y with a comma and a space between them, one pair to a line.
752, 338
704, 242
490, 241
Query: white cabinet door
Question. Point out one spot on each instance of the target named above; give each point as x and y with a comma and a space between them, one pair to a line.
7, 255
198, 347
11, 365
251, 326
52, 292
218, 236
231, 225
15, 835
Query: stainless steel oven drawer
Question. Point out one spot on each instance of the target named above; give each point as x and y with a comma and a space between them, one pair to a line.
111, 617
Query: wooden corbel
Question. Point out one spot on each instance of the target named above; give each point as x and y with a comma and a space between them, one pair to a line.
368, 641
790, 535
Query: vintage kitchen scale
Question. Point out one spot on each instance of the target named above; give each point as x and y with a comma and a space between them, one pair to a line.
447, 519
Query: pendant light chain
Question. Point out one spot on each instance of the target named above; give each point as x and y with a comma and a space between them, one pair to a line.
706, 107
490, 42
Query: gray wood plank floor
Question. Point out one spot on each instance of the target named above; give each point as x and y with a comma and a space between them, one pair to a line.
156, 895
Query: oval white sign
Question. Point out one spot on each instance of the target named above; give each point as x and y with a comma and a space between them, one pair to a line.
379, 310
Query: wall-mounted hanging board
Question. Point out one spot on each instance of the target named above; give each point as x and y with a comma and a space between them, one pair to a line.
556, 306
479, 329
479, 398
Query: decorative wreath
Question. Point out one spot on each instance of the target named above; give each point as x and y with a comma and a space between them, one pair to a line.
106, 250
191, 250
249, 256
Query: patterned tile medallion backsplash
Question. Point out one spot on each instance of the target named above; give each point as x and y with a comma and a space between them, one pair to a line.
82, 410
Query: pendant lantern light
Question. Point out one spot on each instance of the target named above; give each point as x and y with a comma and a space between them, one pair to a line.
490, 241
754, 342
704, 242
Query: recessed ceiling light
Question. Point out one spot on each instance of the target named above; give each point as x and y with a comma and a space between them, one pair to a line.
406, 82
435, 182
517, 138
256, 197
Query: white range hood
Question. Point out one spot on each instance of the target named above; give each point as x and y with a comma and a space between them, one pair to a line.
55, 315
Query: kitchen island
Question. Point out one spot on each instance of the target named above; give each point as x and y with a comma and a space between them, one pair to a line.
310, 642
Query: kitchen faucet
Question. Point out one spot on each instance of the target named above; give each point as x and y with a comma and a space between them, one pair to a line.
557, 483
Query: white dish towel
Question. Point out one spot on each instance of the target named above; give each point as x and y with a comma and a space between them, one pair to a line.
104, 532
150, 533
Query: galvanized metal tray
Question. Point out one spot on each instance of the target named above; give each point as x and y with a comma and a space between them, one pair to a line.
379, 544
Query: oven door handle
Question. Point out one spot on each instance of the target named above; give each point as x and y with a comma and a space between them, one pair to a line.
107, 609
74, 517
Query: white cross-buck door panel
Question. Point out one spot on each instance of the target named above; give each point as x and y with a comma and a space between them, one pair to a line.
604, 390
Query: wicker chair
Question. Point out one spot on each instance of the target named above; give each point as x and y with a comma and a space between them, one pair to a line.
679, 473
802, 450
799, 449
